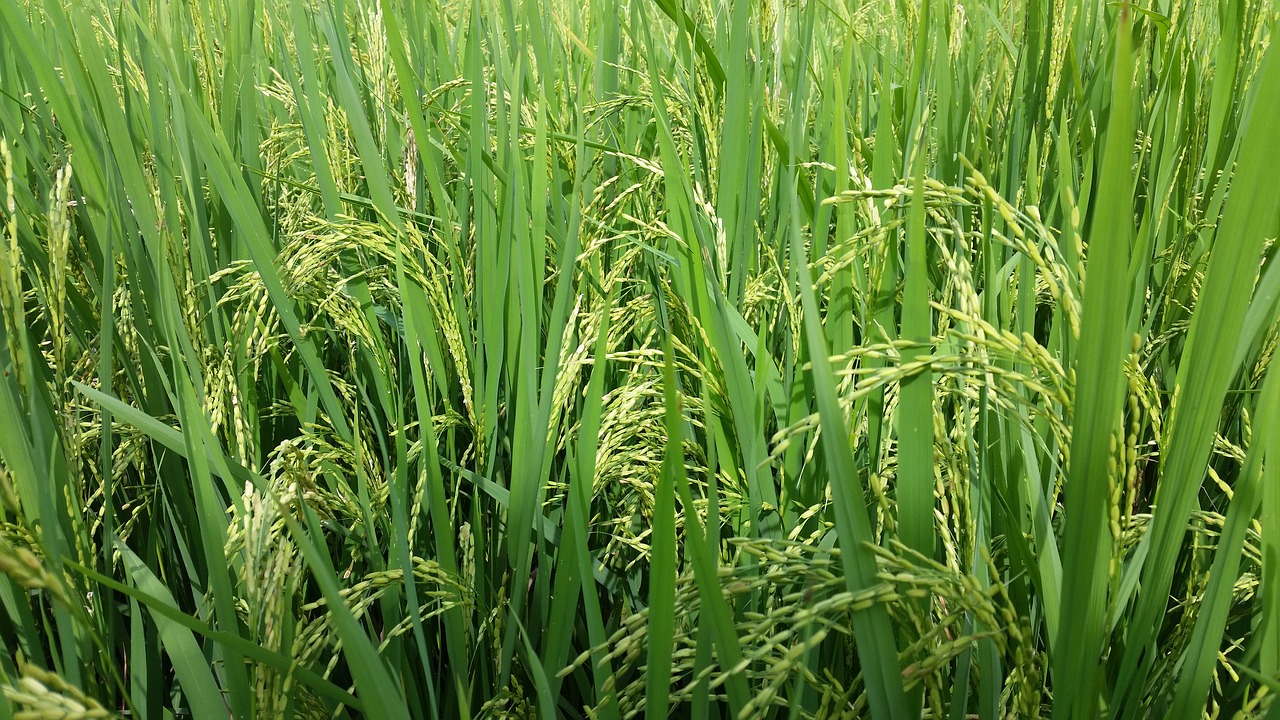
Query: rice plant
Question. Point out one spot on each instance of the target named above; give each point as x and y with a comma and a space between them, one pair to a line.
617, 358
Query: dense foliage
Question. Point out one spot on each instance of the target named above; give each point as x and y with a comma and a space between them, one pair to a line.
719, 358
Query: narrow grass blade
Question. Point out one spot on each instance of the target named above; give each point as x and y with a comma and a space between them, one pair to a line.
1086, 552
